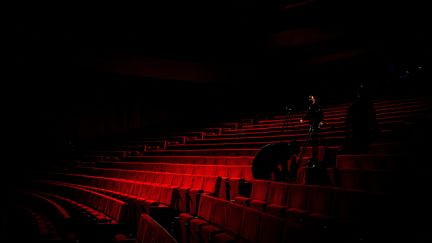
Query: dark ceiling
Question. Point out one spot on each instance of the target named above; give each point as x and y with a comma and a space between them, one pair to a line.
225, 35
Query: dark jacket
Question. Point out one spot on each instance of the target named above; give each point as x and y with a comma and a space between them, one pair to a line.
314, 114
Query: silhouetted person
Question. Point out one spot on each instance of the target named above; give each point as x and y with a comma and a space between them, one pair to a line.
314, 115
271, 161
361, 124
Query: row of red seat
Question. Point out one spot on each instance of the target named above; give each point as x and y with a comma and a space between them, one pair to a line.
103, 207
48, 205
348, 178
133, 171
180, 191
383, 108
368, 172
197, 159
223, 221
231, 177
45, 228
295, 131
387, 113
296, 201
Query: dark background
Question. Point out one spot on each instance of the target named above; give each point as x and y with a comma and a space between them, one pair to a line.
82, 71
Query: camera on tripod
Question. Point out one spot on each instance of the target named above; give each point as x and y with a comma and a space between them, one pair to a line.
288, 115
289, 108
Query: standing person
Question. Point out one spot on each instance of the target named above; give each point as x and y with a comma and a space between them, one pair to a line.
361, 124
314, 115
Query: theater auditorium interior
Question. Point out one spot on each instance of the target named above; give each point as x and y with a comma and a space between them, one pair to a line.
138, 122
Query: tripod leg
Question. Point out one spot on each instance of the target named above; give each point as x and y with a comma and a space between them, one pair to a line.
315, 147
306, 144
298, 161
286, 123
